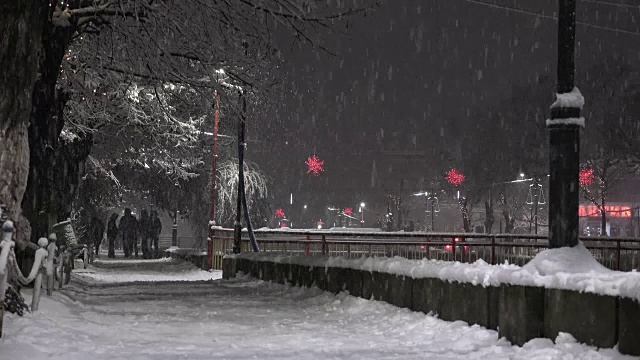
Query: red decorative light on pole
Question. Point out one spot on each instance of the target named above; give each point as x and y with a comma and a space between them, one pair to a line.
314, 165
454, 177
586, 177
279, 213
348, 211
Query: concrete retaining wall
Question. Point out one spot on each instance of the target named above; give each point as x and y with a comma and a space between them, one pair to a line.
519, 313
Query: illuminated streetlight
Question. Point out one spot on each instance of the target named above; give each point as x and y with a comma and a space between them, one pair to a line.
305, 206
522, 175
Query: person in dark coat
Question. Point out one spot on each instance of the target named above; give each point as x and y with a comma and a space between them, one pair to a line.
145, 234
97, 232
129, 230
156, 229
112, 233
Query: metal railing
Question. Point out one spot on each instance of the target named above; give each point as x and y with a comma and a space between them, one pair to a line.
617, 253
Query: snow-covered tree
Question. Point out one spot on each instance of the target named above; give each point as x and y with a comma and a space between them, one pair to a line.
100, 48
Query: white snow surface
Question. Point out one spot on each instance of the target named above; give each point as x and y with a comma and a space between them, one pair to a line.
570, 121
125, 271
246, 319
564, 268
573, 99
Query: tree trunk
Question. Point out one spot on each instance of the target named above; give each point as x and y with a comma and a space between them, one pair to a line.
21, 23
509, 222
489, 217
56, 165
603, 218
464, 209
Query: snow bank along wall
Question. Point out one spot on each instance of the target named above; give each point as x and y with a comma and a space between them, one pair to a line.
519, 313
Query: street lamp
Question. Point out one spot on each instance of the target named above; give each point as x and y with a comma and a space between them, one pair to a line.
362, 214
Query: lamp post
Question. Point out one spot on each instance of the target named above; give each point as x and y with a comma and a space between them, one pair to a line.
564, 137
362, 214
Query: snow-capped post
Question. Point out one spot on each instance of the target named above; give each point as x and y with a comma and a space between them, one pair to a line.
564, 137
51, 249
61, 258
42, 254
6, 246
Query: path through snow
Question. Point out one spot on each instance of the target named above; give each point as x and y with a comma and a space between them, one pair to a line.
107, 316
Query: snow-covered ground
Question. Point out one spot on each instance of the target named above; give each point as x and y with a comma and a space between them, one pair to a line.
125, 270
115, 318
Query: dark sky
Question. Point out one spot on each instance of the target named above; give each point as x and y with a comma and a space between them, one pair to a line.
410, 79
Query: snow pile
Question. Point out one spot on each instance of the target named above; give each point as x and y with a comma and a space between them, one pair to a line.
127, 271
573, 99
564, 268
575, 260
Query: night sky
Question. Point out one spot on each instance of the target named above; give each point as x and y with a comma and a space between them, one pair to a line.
413, 79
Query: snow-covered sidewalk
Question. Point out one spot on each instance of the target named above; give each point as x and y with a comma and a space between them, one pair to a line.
242, 319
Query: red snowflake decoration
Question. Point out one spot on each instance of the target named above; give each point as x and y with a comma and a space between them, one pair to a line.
314, 165
586, 177
279, 213
348, 211
454, 177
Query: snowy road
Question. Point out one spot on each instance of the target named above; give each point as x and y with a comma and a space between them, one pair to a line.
103, 315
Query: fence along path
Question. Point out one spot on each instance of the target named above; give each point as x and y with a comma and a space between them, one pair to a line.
45, 264
617, 253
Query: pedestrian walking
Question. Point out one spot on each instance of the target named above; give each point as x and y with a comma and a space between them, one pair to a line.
156, 229
129, 229
145, 234
97, 233
112, 233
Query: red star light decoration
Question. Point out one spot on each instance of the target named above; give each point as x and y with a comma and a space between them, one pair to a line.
348, 211
586, 177
314, 165
454, 177
279, 213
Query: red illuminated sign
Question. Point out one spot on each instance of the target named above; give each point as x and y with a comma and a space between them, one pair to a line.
611, 210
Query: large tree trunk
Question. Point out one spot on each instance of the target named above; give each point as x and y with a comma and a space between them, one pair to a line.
21, 23
57, 164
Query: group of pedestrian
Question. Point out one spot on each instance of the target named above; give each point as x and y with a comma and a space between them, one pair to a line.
130, 231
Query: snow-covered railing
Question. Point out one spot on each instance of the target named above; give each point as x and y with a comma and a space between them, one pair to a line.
43, 265
616, 253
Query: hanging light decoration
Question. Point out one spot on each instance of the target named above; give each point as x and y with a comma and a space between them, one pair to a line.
314, 165
280, 213
454, 177
586, 177
348, 211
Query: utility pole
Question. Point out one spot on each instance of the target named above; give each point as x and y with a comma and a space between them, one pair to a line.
241, 203
237, 226
433, 229
564, 137
214, 162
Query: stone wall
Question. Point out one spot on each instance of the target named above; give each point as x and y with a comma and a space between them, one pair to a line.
519, 313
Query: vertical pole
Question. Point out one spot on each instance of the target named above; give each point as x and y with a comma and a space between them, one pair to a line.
432, 215
493, 250
535, 208
564, 139
174, 230
37, 289
214, 164
237, 226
